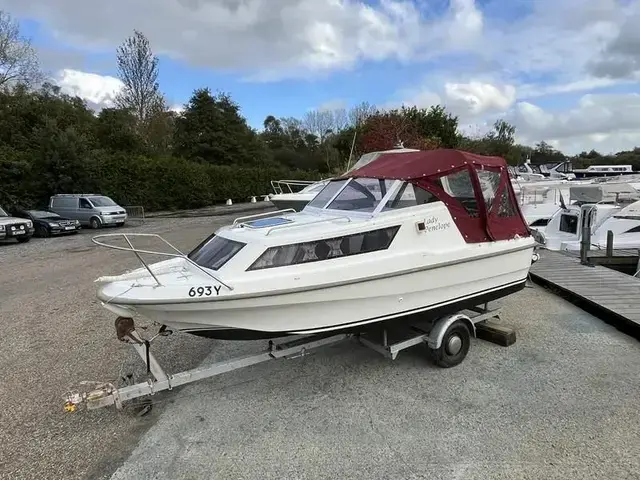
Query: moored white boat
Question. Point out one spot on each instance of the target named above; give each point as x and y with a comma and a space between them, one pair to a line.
285, 197
624, 223
415, 232
590, 205
296, 200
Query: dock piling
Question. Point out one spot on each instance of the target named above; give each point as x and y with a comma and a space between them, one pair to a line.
609, 243
585, 244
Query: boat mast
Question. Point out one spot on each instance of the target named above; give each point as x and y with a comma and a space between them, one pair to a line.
353, 144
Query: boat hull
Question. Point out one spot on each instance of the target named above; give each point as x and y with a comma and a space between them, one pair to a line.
437, 289
426, 313
286, 203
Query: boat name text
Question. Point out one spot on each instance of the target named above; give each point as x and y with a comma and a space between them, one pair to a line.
433, 224
206, 290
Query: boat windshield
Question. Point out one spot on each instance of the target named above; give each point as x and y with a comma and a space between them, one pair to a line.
327, 193
3, 213
361, 195
314, 187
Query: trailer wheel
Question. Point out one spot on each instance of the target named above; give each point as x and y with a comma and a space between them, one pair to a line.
454, 347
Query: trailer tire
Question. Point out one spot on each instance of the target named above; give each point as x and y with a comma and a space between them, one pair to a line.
454, 347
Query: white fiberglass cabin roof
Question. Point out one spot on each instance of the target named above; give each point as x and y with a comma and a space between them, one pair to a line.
603, 192
630, 211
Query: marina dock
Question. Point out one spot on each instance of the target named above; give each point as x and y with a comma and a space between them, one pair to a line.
625, 260
609, 294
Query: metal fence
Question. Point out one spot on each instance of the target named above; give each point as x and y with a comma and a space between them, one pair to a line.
135, 214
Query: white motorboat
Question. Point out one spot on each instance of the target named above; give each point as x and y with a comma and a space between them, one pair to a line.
284, 199
285, 196
623, 223
539, 201
427, 232
604, 171
590, 205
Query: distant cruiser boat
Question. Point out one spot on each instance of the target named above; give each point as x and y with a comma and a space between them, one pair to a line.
604, 171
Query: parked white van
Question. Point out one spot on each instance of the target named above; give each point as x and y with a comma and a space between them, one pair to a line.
89, 209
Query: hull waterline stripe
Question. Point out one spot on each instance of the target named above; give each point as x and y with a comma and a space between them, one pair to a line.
226, 298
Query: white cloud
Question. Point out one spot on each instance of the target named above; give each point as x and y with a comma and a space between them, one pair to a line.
467, 24
561, 47
98, 90
602, 121
469, 101
478, 98
605, 122
266, 39
177, 109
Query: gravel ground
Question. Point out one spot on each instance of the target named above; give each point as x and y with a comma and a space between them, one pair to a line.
55, 334
560, 403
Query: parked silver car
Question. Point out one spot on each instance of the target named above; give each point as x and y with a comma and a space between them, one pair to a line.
11, 227
89, 209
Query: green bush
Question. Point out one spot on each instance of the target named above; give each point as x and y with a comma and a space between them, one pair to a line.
170, 183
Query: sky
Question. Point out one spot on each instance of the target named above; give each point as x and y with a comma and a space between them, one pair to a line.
562, 71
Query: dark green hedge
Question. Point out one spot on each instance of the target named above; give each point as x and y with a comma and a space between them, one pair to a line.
170, 183
156, 183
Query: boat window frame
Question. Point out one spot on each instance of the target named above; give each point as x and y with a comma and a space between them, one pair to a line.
328, 202
198, 248
383, 201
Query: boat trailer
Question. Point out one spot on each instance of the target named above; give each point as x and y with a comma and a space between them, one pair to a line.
447, 340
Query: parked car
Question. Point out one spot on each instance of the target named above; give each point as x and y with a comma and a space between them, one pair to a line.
11, 227
89, 209
49, 223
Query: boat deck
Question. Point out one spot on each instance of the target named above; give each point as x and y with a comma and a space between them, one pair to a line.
611, 295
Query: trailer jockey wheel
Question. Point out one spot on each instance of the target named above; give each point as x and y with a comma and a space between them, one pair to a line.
454, 347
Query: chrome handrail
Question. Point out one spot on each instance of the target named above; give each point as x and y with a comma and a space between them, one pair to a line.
304, 224
260, 215
138, 251
275, 184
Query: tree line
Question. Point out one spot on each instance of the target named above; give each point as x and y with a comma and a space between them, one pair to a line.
140, 152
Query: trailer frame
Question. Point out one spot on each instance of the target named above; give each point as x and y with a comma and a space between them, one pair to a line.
431, 333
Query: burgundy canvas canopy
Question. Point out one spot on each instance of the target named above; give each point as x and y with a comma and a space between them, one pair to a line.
456, 178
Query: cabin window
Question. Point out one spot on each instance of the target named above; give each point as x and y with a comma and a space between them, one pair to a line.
489, 183
458, 185
569, 223
541, 222
409, 195
634, 230
564, 168
361, 195
506, 208
326, 249
327, 193
215, 251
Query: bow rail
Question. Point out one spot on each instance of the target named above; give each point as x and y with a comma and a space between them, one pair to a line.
279, 186
256, 216
138, 251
